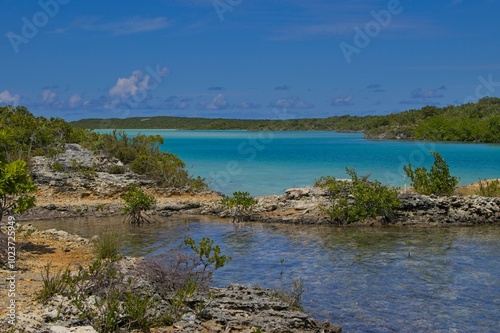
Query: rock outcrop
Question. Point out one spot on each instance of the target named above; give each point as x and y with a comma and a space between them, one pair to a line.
79, 173
304, 206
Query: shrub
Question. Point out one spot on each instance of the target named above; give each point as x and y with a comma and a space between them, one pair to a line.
240, 205
16, 188
291, 293
437, 181
116, 169
108, 246
358, 199
136, 203
52, 284
56, 166
489, 188
207, 253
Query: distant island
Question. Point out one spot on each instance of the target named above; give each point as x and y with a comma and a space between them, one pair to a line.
472, 122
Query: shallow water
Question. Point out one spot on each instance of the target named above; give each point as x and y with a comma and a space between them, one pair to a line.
360, 278
264, 163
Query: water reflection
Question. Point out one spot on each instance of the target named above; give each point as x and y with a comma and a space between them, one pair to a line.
360, 278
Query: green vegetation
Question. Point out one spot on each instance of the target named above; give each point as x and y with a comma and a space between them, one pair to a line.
136, 204
142, 153
472, 122
489, 188
107, 246
23, 136
52, 284
358, 199
240, 205
16, 188
208, 254
150, 294
437, 181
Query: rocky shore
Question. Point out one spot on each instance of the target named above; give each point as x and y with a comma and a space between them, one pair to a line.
72, 192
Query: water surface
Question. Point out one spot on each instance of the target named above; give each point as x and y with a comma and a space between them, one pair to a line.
360, 278
264, 163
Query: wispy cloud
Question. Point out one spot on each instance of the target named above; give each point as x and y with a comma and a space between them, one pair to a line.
126, 26
452, 68
290, 103
342, 101
429, 93
375, 88
219, 102
7, 98
216, 88
282, 87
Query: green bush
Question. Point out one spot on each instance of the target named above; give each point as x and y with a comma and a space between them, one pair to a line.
16, 188
240, 204
56, 166
437, 181
116, 170
208, 254
136, 204
489, 188
107, 246
358, 199
52, 284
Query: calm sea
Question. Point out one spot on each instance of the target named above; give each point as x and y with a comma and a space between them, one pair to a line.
264, 163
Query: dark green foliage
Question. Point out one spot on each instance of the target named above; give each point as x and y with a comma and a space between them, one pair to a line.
136, 204
240, 205
358, 199
437, 181
475, 122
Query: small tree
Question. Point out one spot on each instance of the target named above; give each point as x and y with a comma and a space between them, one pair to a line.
437, 181
16, 188
358, 199
240, 204
208, 254
136, 204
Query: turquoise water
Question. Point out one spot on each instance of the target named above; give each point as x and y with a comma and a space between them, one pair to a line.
359, 278
264, 163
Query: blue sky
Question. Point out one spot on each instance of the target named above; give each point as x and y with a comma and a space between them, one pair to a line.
246, 58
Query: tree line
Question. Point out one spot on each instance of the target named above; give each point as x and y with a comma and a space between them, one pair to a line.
472, 122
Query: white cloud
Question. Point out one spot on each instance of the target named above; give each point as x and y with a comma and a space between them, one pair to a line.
135, 90
49, 98
219, 102
75, 101
342, 100
7, 98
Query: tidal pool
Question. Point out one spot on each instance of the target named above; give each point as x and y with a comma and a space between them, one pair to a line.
389, 279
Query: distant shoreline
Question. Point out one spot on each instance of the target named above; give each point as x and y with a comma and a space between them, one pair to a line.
473, 122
